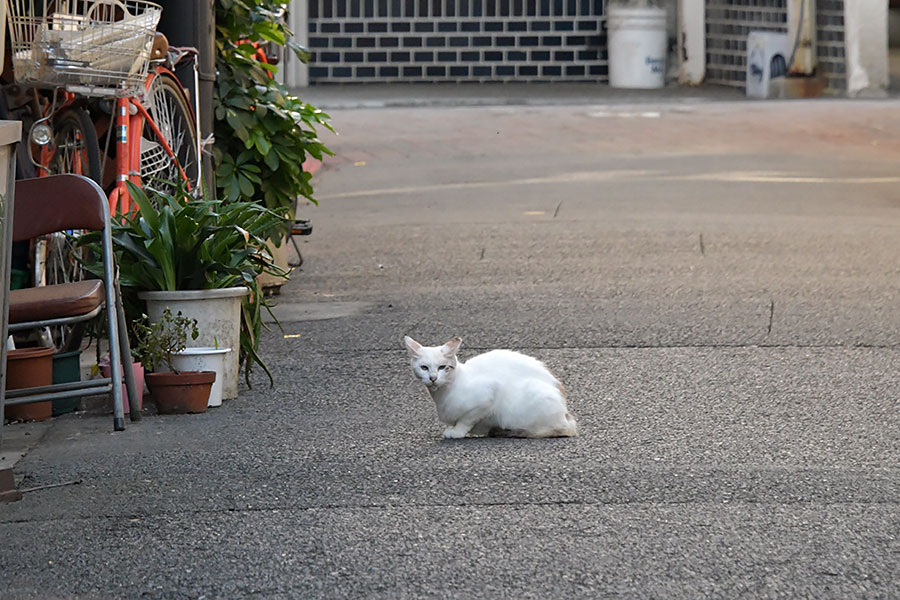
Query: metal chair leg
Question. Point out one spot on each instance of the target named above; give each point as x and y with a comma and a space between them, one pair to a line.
115, 357
134, 411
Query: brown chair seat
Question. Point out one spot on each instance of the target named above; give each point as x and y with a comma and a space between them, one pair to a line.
55, 301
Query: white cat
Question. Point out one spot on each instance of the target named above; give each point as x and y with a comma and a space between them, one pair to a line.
500, 393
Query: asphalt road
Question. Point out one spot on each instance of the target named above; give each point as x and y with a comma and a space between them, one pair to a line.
715, 283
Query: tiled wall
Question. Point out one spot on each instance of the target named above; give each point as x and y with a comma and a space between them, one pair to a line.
830, 44
729, 21
456, 40
727, 24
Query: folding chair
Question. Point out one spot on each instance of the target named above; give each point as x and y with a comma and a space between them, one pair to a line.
59, 203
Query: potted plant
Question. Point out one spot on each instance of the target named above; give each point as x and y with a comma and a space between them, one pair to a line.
264, 133
203, 258
173, 391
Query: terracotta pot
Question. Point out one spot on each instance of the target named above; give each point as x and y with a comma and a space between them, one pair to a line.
178, 393
138, 371
25, 368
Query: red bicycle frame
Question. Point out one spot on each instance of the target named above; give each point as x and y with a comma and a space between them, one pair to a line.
131, 116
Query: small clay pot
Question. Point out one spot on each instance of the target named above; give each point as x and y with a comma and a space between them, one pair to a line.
26, 368
179, 393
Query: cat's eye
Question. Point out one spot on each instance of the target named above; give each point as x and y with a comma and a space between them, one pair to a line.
442, 367
424, 367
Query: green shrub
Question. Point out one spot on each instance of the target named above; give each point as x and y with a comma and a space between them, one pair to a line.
263, 133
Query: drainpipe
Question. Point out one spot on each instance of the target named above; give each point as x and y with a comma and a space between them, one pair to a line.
802, 36
194, 24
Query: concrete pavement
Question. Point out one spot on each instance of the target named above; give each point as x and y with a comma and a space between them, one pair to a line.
714, 282
422, 95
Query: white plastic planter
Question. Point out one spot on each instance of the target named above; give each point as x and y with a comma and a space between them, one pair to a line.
218, 314
636, 42
205, 359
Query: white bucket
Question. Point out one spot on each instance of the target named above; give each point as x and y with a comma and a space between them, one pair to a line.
204, 359
636, 43
218, 314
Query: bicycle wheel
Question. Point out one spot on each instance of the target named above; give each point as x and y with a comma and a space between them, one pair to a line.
62, 264
171, 113
56, 259
76, 149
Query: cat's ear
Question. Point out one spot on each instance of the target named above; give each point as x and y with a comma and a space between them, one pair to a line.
412, 346
451, 346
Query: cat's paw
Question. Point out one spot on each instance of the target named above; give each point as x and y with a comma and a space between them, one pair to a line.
453, 433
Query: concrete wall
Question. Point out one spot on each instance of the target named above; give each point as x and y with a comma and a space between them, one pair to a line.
691, 41
295, 73
866, 38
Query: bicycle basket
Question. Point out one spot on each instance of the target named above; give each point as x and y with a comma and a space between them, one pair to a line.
97, 47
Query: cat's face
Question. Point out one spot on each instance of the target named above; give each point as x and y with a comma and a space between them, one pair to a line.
433, 365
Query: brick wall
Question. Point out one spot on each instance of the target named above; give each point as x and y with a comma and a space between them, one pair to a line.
456, 40
727, 24
729, 21
830, 44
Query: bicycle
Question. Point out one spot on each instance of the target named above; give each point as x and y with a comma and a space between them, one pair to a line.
115, 76
97, 70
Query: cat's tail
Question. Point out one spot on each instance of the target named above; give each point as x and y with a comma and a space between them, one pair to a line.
572, 429
568, 428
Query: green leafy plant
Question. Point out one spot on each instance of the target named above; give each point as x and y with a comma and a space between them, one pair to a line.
263, 132
175, 242
155, 343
